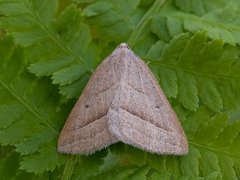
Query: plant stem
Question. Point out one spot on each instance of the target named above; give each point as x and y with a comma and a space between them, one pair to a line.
143, 22
69, 167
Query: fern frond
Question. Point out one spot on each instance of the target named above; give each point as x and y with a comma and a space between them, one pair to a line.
117, 173
209, 155
55, 45
29, 118
8, 164
113, 19
219, 20
190, 45
95, 161
207, 138
192, 68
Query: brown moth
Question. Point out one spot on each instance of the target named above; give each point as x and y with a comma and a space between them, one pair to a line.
123, 102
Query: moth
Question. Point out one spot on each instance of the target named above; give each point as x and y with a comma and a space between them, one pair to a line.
123, 102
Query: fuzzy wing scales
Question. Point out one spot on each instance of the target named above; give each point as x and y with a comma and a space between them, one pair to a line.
140, 114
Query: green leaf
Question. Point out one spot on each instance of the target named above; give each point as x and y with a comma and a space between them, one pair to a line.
96, 9
116, 173
136, 156
68, 75
210, 164
220, 157
214, 125
168, 81
113, 19
190, 163
188, 93
9, 166
88, 166
156, 50
219, 19
33, 122
157, 176
159, 27
9, 114
192, 68
9, 163
227, 167
173, 22
190, 45
45, 160
157, 162
140, 174
35, 23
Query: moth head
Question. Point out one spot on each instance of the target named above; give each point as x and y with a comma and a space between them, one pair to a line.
123, 45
